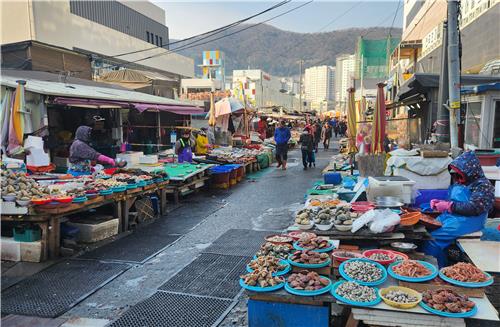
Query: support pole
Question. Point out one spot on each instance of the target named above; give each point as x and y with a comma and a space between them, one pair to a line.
300, 87
453, 69
443, 115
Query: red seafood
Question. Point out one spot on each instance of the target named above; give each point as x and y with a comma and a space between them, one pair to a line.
447, 301
465, 272
411, 268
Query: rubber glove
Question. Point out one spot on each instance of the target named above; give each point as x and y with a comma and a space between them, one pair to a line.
434, 202
444, 206
107, 160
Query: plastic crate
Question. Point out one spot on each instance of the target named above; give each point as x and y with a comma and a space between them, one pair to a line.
23, 234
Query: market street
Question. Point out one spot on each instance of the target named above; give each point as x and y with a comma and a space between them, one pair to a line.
264, 204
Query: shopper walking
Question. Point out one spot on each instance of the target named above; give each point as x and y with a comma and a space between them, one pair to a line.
317, 135
342, 128
326, 135
306, 146
281, 137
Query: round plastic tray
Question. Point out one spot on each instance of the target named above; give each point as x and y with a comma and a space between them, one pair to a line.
119, 189
328, 249
279, 273
80, 199
323, 290
378, 265
261, 289
131, 186
467, 284
449, 314
367, 254
106, 192
431, 267
355, 303
305, 265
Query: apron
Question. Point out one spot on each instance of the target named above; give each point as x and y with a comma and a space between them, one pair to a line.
186, 153
454, 226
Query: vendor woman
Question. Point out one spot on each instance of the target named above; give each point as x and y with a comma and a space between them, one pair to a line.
470, 198
81, 154
184, 147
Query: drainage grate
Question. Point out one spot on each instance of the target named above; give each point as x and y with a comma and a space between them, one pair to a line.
210, 274
174, 310
58, 288
136, 247
241, 242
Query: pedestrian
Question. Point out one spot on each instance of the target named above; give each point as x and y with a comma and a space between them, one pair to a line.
306, 146
342, 128
317, 135
281, 137
202, 144
326, 135
471, 197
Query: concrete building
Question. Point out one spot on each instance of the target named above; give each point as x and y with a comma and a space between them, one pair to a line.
264, 90
344, 75
213, 66
99, 29
319, 87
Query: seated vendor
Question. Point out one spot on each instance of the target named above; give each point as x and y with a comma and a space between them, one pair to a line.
81, 154
202, 144
183, 147
471, 197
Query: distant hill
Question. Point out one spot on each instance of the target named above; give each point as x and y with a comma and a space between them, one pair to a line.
278, 52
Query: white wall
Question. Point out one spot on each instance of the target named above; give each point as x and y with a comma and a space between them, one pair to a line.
55, 25
146, 8
15, 24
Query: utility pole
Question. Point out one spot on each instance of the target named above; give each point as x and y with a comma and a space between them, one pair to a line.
453, 69
443, 115
300, 86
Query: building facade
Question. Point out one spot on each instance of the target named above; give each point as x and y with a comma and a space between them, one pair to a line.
319, 87
344, 75
102, 30
264, 90
213, 66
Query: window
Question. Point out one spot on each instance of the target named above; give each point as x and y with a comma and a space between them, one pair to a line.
157, 41
473, 123
161, 42
496, 126
147, 34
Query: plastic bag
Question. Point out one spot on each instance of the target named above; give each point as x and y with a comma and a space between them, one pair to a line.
384, 220
364, 219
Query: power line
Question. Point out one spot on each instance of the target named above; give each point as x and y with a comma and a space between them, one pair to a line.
340, 16
380, 23
185, 47
394, 18
209, 33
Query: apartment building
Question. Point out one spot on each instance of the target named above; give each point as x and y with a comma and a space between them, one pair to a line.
319, 87
344, 75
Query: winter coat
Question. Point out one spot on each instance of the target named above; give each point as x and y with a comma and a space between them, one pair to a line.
317, 133
326, 133
306, 141
482, 192
282, 135
80, 149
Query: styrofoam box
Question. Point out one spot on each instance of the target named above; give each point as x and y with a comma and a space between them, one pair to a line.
402, 189
10, 208
93, 231
37, 158
132, 157
21, 251
148, 159
434, 182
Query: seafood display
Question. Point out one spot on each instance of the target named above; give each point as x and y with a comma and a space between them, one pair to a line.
362, 270
297, 235
323, 217
400, 296
313, 243
304, 217
344, 218
355, 292
465, 272
307, 280
18, 186
380, 257
447, 301
275, 250
279, 239
261, 278
268, 262
346, 254
411, 268
309, 257
324, 204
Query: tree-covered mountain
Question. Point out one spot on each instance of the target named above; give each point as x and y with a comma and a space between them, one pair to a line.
278, 52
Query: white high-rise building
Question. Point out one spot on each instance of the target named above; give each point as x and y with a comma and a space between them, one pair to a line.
344, 72
319, 87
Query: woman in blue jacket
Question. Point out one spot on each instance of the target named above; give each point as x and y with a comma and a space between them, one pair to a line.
281, 137
471, 197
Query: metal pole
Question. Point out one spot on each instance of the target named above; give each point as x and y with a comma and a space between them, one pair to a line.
453, 69
443, 115
300, 87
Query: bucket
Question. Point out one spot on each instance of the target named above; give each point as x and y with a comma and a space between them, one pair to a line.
332, 178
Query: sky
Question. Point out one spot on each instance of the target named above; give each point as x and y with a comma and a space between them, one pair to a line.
187, 18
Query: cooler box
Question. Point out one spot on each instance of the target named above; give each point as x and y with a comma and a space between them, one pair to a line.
132, 157
398, 186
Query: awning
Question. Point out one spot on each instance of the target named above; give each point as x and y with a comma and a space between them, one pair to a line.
94, 103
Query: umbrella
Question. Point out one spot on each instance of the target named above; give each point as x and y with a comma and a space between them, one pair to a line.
378, 128
211, 114
17, 112
351, 121
5, 118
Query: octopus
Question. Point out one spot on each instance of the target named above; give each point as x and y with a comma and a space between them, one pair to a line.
465, 272
447, 301
411, 268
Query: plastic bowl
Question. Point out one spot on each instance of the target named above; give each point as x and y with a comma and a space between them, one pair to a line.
305, 227
40, 201
410, 218
288, 242
9, 198
342, 259
23, 203
324, 227
354, 303
327, 249
386, 290
430, 266
400, 256
368, 253
343, 228
63, 199
298, 235
323, 290
374, 283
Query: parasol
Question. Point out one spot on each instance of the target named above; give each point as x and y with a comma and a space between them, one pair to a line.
379, 120
351, 121
17, 112
211, 114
